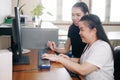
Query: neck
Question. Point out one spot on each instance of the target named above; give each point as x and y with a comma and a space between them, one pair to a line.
92, 41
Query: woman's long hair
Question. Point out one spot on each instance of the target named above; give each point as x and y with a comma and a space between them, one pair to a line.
94, 22
82, 6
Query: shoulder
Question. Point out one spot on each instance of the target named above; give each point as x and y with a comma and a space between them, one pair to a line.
101, 47
71, 26
100, 53
100, 43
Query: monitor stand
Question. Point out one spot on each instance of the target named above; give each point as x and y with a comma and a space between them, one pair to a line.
25, 51
19, 60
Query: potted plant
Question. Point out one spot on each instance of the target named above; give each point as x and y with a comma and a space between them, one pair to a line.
37, 12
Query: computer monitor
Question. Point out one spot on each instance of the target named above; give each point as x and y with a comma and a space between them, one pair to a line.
16, 45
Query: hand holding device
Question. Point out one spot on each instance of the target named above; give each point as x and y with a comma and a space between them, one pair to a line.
52, 45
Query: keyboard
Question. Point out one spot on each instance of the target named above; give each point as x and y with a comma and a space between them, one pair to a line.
43, 63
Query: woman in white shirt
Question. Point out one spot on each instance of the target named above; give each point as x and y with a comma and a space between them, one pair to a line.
97, 61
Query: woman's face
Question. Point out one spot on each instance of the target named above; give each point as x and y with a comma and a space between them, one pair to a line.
87, 34
77, 13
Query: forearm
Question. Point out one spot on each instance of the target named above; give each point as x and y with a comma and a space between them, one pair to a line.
68, 63
66, 49
80, 69
60, 50
77, 60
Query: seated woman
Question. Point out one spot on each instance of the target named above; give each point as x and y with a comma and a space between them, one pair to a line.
97, 61
73, 41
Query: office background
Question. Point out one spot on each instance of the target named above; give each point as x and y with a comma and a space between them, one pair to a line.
58, 19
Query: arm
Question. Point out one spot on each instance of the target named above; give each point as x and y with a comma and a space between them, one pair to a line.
77, 60
81, 69
64, 50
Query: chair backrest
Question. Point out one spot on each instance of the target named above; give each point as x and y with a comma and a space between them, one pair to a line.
117, 63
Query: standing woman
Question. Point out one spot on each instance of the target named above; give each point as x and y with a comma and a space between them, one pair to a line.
97, 62
79, 9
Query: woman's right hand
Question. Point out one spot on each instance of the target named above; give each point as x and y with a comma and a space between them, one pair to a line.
64, 56
52, 45
51, 57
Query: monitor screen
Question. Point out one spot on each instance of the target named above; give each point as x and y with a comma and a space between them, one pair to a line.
16, 46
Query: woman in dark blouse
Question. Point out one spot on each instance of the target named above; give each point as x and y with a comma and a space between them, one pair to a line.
79, 9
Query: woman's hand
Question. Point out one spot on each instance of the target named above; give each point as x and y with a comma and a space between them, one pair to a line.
52, 45
51, 57
64, 56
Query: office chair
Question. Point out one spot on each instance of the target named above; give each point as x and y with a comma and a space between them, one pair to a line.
117, 63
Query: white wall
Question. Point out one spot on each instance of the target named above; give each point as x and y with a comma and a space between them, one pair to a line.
5, 9
27, 8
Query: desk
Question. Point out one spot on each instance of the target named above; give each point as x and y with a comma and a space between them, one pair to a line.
30, 72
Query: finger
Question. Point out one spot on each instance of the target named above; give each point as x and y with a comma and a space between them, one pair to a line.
44, 55
60, 54
53, 43
49, 42
64, 56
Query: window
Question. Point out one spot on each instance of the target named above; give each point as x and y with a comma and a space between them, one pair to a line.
115, 12
50, 6
67, 6
107, 10
98, 7
60, 9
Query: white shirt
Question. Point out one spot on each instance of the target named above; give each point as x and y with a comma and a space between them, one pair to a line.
99, 54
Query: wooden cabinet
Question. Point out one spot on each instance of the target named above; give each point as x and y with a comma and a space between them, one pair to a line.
4, 42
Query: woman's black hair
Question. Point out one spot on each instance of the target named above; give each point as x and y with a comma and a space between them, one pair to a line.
83, 6
94, 22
